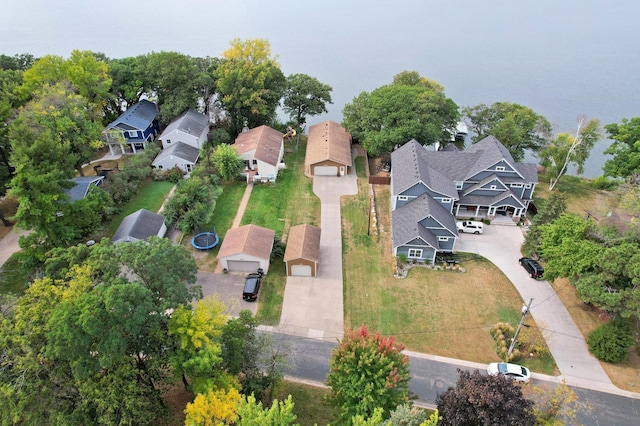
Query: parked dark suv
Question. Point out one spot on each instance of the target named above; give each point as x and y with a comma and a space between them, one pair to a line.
534, 269
252, 286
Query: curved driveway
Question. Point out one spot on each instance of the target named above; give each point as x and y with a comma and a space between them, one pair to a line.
501, 245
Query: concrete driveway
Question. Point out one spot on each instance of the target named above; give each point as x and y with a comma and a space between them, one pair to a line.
228, 287
501, 245
314, 307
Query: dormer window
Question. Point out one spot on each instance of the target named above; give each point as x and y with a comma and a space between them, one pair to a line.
459, 184
500, 169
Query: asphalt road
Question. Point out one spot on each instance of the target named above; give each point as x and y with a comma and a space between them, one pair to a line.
429, 377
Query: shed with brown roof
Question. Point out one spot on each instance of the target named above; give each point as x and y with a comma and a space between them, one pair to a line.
303, 251
246, 249
328, 150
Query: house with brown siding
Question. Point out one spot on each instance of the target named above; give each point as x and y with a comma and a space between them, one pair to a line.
303, 251
328, 150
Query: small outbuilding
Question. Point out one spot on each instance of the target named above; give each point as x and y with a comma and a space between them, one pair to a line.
140, 226
246, 249
178, 155
303, 251
328, 150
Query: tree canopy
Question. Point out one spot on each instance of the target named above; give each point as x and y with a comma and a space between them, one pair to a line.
249, 83
625, 148
367, 371
516, 126
478, 399
305, 96
568, 149
394, 114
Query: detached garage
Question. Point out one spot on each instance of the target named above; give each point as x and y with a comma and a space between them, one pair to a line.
303, 251
328, 150
246, 249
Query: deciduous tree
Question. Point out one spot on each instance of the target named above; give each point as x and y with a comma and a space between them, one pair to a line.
250, 84
197, 333
568, 149
478, 399
516, 126
394, 114
213, 408
227, 161
367, 371
625, 148
305, 96
171, 78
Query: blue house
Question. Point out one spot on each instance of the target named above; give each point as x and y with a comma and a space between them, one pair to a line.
133, 129
431, 188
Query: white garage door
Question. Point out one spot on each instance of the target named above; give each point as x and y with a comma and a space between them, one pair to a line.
301, 270
243, 266
325, 171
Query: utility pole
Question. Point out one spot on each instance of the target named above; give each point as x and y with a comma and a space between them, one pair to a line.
525, 311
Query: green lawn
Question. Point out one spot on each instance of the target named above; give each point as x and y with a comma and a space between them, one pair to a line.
288, 202
150, 196
438, 312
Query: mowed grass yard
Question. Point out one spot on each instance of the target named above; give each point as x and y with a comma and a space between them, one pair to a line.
443, 313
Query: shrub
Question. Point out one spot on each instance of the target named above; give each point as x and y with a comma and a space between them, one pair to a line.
502, 333
605, 183
610, 342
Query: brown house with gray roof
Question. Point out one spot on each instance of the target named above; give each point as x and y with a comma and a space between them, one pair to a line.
328, 150
303, 251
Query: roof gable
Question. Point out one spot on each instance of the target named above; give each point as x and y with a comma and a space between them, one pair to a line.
303, 243
82, 186
252, 240
406, 220
138, 117
179, 150
328, 141
139, 225
265, 141
190, 122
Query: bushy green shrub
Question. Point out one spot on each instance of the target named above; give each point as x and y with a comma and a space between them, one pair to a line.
605, 183
610, 342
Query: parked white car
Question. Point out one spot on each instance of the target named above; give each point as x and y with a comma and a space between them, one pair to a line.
514, 371
470, 226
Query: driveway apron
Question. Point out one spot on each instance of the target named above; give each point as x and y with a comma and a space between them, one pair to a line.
501, 245
314, 307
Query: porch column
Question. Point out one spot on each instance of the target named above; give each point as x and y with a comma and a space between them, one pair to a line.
477, 210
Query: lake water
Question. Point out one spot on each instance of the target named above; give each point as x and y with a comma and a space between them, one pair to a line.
560, 58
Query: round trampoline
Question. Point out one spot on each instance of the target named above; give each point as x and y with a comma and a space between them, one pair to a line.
205, 240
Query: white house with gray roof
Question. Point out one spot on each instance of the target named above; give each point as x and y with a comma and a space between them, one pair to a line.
191, 128
481, 181
178, 155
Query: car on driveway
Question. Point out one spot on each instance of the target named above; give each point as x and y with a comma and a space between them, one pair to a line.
252, 287
470, 226
534, 269
513, 371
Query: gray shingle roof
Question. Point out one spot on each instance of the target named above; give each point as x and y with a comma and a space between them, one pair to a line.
405, 221
190, 122
180, 150
139, 225
82, 186
138, 117
413, 167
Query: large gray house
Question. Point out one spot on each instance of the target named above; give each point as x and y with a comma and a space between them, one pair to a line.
431, 188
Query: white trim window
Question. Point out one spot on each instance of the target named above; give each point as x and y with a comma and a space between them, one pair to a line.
493, 187
446, 200
459, 184
500, 169
403, 198
516, 185
414, 254
443, 238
